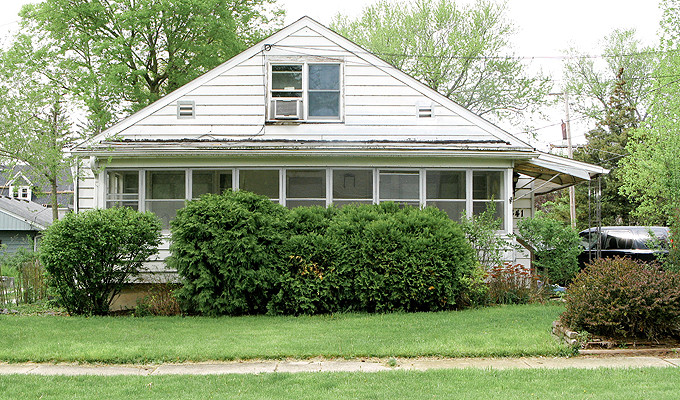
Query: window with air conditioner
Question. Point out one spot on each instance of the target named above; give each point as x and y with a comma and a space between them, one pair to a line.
305, 91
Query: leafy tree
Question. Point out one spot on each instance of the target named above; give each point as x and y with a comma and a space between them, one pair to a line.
125, 54
453, 49
606, 147
592, 80
35, 128
651, 173
614, 91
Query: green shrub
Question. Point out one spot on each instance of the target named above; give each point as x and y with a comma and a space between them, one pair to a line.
311, 277
227, 249
619, 296
239, 253
411, 260
481, 232
90, 256
555, 247
374, 258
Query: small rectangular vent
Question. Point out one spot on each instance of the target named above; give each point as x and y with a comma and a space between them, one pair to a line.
186, 109
425, 111
286, 109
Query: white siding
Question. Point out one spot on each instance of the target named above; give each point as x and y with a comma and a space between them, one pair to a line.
523, 207
377, 105
87, 191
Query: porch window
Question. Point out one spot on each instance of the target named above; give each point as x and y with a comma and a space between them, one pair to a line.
446, 190
264, 182
123, 189
305, 188
400, 186
352, 186
487, 190
215, 182
165, 194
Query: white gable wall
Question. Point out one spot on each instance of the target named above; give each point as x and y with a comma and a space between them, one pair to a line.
376, 105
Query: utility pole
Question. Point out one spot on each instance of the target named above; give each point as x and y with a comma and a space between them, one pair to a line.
566, 126
570, 153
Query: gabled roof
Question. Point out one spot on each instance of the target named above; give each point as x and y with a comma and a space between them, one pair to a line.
509, 141
8, 176
22, 215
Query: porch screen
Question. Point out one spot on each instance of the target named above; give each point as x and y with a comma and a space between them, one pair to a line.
487, 190
165, 194
446, 191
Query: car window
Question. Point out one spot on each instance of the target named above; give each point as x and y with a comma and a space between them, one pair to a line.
654, 238
619, 239
588, 240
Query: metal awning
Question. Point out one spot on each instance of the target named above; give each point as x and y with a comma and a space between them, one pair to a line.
553, 172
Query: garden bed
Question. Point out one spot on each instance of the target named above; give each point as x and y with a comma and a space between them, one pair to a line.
590, 344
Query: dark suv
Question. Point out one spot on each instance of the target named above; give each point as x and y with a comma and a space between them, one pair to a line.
637, 242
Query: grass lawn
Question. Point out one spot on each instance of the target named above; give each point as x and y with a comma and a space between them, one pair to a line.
494, 331
651, 383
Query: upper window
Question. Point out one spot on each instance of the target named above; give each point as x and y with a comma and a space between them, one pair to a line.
305, 91
20, 192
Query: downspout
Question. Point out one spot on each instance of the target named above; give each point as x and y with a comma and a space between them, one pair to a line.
76, 188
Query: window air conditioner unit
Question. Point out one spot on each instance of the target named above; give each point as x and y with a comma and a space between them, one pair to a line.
286, 109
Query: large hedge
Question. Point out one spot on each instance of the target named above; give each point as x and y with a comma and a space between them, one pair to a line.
90, 256
313, 260
226, 248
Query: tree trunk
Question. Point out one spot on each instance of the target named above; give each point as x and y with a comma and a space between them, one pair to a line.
53, 199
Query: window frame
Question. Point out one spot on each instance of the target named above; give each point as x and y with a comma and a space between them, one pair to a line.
281, 173
305, 91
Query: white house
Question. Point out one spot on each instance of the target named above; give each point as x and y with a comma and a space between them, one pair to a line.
307, 117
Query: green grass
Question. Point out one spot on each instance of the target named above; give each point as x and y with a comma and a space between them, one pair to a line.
495, 331
650, 383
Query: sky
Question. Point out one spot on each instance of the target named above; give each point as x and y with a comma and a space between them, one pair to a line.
545, 28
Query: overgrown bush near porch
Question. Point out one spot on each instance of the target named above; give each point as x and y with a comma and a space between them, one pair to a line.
555, 246
238, 247
227, 250
90, 256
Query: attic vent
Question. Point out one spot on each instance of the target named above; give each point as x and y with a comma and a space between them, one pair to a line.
425, 111
186, 109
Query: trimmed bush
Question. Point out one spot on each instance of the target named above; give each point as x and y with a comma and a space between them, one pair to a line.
226, 248
621, 297
555, 247
410, 260
90, 256
239, 253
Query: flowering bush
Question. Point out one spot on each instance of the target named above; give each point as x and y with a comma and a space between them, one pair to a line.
513, 284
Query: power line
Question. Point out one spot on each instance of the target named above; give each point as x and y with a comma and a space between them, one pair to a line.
563, 57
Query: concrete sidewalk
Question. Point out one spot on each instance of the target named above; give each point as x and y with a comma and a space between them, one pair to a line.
322, 365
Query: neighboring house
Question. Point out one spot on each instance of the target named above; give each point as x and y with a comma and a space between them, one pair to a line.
21, 222
19, 182
306, 117
24, 207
